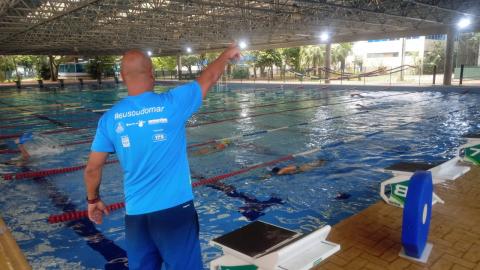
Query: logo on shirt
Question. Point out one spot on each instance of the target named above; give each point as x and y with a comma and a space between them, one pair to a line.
125, 141
159, 137
138, 113
158, 121
139, 123
119, 129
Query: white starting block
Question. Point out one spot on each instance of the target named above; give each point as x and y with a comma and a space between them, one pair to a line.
447, 171
402, 172
270, 247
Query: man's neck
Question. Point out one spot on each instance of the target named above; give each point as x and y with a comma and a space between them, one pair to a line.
136, 92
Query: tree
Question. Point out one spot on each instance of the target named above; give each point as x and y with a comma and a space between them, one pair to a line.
468, 49
165, 63
189, 61
340, 53
6, 67
268, 58
292, 57
100, 65
250, 58
435, 57
312, 57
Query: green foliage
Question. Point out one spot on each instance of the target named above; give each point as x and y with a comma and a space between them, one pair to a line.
190, 60
240, 73
44, 71
340, 53
311, 57
6, 66
165, 63
291, 57
101, 65
435, 57
269, 58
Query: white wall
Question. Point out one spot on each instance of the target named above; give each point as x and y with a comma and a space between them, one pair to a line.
387, 53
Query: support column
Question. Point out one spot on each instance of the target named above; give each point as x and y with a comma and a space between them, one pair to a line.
53, 76
447, 75
179, 66
328, 60
402, 60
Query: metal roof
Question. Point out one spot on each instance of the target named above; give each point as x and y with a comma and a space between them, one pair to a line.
89, 27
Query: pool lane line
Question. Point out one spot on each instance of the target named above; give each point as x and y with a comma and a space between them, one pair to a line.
114, 255
72, 215
89, 140
19, 176
8, 151
258, 132
71, 129
207, 112
200, 144
47, 106
43, 173
281, 111
103, 110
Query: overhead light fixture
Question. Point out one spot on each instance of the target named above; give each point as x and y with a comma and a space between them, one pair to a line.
149, 53
324, 36
189, 50
464, 23
242, 44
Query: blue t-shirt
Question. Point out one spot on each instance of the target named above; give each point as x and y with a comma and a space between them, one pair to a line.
147, 132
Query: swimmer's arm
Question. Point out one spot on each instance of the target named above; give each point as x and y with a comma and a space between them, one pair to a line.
23, 151
213, 71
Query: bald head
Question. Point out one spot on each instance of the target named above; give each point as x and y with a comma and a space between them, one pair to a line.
137, 72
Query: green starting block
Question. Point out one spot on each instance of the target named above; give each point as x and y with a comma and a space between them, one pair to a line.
471, 154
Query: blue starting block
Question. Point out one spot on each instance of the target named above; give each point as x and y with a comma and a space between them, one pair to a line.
417, 213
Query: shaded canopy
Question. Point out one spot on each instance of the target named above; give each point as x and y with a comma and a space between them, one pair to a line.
166, 27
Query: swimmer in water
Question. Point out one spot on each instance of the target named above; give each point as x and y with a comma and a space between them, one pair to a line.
32, 146
294, 169
361, 107
216, 147
342, 196
356, 95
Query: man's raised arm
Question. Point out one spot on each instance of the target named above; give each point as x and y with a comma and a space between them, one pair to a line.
213, 71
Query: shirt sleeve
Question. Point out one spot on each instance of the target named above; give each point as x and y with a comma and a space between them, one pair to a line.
101, 142
188, 98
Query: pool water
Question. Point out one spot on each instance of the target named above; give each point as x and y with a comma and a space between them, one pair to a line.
260, 123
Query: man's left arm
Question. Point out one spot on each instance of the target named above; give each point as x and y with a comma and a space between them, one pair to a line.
93, 178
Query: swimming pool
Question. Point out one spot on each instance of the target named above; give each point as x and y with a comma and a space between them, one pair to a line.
356, 136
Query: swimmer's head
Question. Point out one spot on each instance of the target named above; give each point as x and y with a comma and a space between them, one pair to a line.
220, 146
27, 136
275, 170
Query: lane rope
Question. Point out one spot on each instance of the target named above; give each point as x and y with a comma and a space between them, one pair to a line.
73, 215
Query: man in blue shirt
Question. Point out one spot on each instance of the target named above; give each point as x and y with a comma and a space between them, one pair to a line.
147, 132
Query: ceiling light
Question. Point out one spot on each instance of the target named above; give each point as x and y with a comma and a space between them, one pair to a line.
324, 36
464, 23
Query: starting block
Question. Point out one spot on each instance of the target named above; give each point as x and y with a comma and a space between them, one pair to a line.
264, 246
403, 171
470, 152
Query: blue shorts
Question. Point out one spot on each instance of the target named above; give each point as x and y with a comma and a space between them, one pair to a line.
168, 237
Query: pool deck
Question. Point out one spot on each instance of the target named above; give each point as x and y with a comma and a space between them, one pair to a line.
371, 239
11, 257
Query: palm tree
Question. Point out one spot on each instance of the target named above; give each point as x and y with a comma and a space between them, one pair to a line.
312, 57
340, 53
